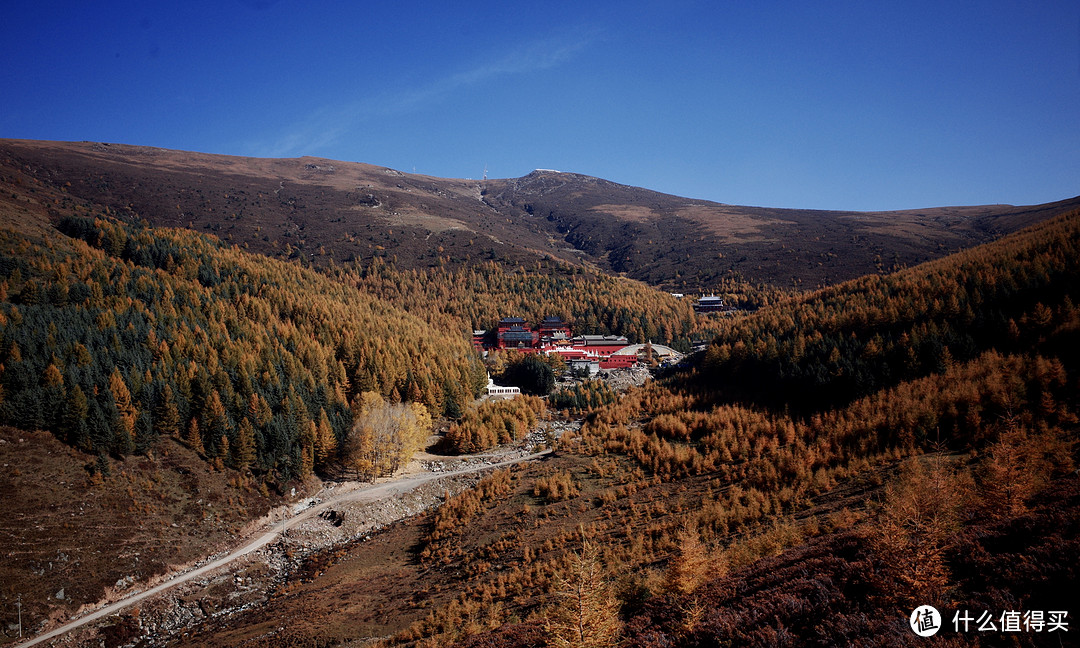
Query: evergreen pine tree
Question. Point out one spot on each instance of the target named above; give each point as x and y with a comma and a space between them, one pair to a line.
167, 416
244, 450
194, 437
123, 426
74, 424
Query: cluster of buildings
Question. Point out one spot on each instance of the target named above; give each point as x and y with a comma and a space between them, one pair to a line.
553, 335
706, 303
515, 333
583, 353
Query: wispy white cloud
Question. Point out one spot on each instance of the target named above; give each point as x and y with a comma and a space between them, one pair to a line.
321, 128
328, 124
530, 57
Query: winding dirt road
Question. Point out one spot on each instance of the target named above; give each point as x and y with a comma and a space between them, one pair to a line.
363, 495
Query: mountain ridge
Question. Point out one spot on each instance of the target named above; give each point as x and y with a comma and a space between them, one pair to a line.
175, 353
322, 211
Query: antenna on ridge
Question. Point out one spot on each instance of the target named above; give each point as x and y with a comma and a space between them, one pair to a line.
485, 172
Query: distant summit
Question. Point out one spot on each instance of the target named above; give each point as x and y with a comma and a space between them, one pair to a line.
319, 211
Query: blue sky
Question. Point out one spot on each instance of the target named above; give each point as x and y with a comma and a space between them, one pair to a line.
829, 105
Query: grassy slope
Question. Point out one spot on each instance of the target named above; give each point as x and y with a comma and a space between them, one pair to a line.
674, 463
687, 244
654, 511
318, 210
61, 530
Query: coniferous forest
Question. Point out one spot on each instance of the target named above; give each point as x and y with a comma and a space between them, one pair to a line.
832, 459
114, 335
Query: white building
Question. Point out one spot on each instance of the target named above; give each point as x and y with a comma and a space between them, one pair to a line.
496, 392
585, 365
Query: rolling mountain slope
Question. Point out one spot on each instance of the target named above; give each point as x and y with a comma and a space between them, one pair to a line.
156, 333
321, 210
685, 518
678, 242
306, 208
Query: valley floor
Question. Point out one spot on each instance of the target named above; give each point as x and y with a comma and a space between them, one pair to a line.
247, 574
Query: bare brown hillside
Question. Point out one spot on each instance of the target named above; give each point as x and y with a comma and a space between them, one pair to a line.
684, 243
320, 210
79, 529
307, 208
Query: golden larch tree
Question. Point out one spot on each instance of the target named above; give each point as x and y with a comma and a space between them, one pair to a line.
586, 614
325, 442
124, 425
244, 450
918, 522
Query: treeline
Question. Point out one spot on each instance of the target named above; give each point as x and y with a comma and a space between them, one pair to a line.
494, 422
583, 396
684, 483
113, 334
850, 340
789, 459
478, 297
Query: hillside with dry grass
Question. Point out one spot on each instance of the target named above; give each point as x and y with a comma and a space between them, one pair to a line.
685, 244
320, 211
679, 515
184, 338
79, 528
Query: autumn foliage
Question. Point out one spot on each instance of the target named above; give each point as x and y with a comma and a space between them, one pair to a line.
494, 422
850, 340
114, 334
384, 436
939, 403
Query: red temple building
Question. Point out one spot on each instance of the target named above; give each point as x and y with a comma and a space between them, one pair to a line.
553, 335
514, 333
